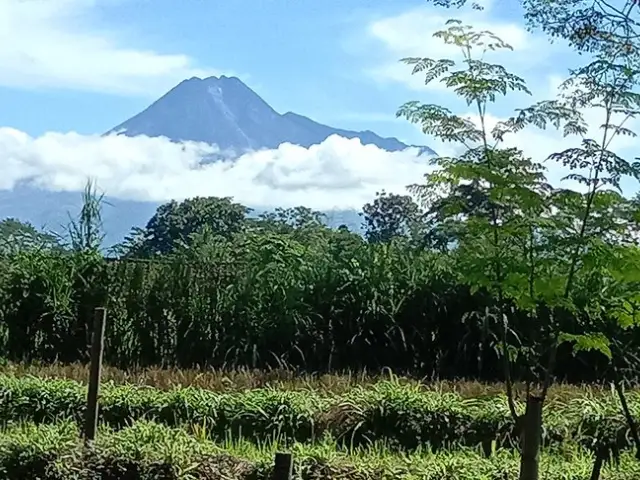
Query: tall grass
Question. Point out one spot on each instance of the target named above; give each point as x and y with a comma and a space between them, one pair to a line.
312, 300
272, 302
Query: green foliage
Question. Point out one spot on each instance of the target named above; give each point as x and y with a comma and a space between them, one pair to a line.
312, 298
544, 250
86, 231
175, 224
17, 236
608, 29
403, 417
596, 341
290, 219
259, 300
57, 292
391, 216
149, 451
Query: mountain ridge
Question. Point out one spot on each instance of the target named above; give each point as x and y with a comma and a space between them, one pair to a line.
216, 110
226, 112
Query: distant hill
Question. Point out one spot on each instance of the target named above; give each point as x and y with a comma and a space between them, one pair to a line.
226, 112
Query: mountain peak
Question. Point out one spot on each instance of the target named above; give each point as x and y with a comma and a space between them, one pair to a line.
226, 112
214, 79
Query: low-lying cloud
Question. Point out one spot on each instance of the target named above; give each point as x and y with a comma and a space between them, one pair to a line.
339, 173
336, 174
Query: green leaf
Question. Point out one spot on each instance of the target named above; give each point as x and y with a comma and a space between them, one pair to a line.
588, 342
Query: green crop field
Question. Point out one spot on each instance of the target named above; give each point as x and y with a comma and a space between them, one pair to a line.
149, 450
183, 424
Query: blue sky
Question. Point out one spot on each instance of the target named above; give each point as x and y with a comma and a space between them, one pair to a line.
87, 65
293, 53
300, 55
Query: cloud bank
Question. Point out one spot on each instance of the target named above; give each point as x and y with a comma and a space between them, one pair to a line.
339, 173
336, 174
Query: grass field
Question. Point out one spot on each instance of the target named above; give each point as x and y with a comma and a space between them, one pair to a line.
165, 424
238, 380
152, 451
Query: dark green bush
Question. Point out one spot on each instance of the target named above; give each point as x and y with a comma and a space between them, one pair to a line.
268, 301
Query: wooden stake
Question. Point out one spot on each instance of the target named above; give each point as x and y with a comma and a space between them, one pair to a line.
283, 466
97, 347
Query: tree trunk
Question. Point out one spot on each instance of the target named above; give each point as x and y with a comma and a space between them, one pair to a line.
627, 414
531, 438
597, 465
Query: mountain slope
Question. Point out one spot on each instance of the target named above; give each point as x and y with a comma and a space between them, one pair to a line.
226, 112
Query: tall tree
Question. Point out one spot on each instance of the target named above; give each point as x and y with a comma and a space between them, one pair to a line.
609, 34
496, 202
391, 216
603, 251
175, 223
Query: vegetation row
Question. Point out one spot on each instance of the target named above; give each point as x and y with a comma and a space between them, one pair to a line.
152, 451
269, 301
403, 416
234, 380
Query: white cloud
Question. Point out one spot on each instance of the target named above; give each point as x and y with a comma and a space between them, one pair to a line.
339, 173
410, 34
539, 144
50, 43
